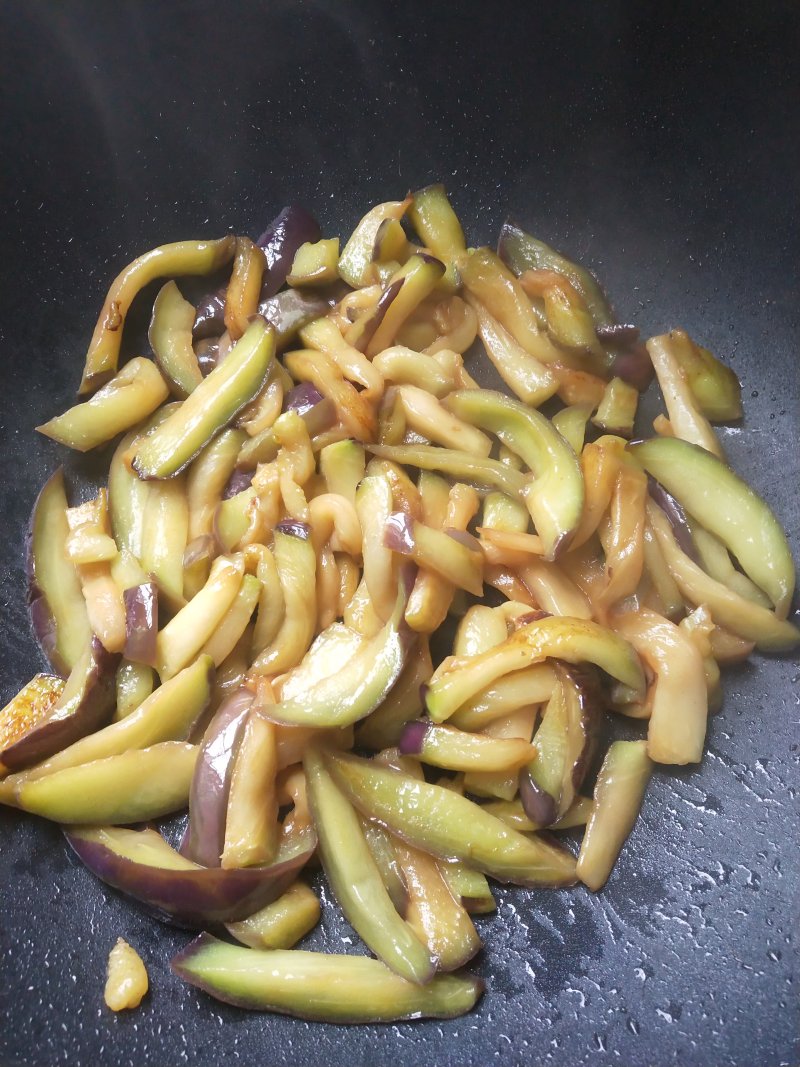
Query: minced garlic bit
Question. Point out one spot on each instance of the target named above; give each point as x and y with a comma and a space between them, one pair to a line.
127, 982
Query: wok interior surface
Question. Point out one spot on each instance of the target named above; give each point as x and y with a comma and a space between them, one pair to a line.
656, 143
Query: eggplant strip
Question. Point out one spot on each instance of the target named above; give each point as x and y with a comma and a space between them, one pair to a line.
319, 986
742, 617
183, 257
356, 881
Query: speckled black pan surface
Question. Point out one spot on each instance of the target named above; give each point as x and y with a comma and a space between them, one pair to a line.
658, 143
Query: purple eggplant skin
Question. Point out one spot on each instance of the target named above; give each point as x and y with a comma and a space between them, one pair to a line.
81, 713
590, 700
209, 320
141, 623
539, 805
192, 898
237, 483
293, 227
413, 738
208, 799
288, 312
630, 360
377, 316
43, 625
675, 513
302, 398
295, 528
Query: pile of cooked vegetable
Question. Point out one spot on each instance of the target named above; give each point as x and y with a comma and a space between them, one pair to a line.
310, 499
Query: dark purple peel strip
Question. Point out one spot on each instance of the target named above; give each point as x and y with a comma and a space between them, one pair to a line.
208, 799
294, 528
398, 533
539, 805
237, 483
676, 515
141, 623
302, 398
294, 226
412, 738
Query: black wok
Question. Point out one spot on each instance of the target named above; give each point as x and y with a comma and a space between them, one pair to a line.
656, 142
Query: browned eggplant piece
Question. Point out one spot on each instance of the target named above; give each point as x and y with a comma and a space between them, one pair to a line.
85, 704
28, 709
279, 242
523, 252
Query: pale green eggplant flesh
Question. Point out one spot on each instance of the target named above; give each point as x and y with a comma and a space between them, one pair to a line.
380, 844
714, 386
449, 826
501, 512
470, 887
342, 465
433, 218
57, 607
134, 684
555, 498
617, 409
463, 466
296, 562
127, 494
315, 263
170, 337
123, 402
523, 252
742, 617
356, 262
184, 636
356, 880
168, 714
164, 534
618, 795
318, 986
227, 389
359, 686
552, 637
182, 257
719, 500
131, 787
